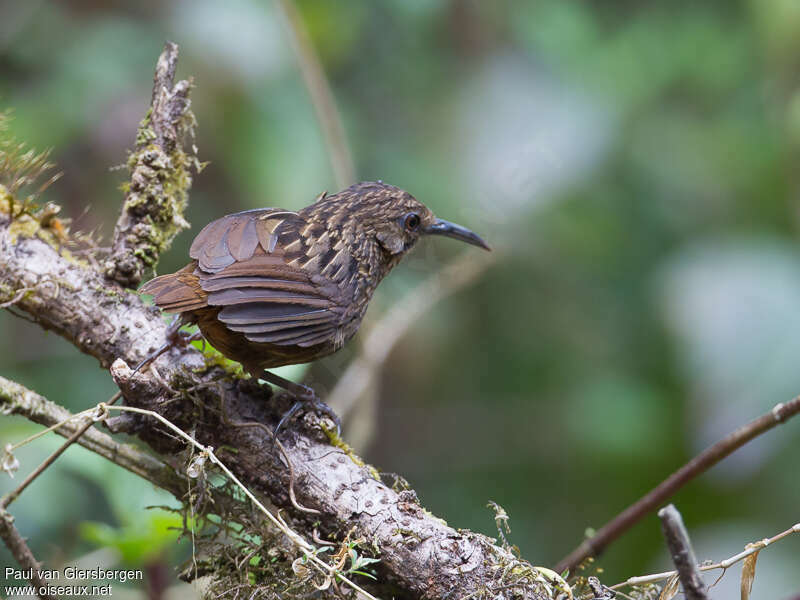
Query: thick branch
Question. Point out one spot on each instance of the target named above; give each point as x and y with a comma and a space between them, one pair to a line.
160, 178
419, 553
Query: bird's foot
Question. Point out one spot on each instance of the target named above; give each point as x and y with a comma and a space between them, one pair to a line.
308, 400
305, 398
175, 338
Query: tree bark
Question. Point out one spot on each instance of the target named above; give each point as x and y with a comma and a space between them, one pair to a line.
420, 555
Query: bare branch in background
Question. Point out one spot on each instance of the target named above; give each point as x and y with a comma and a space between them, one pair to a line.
22, 553
378, 344
15, 399
658, 495
682, 553
13, 495
750, 550
319, 90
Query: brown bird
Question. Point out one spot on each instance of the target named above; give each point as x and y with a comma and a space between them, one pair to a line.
271, 287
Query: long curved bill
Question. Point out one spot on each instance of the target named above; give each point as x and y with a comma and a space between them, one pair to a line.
446, 228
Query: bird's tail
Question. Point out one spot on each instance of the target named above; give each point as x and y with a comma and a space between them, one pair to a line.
177, 292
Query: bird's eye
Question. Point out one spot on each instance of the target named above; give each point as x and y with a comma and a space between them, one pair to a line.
411, 222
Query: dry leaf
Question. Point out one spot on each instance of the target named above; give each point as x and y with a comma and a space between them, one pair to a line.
670, 588
299, 567
748, 574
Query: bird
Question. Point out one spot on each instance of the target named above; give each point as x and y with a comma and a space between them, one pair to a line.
270, 287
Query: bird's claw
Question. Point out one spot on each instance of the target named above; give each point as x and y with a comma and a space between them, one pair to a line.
308, 399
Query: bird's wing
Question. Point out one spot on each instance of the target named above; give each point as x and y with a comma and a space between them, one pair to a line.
247, 266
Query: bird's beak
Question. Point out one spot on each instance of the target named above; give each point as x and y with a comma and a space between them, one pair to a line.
442, 227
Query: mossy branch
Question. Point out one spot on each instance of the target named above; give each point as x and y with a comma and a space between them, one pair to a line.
420, 555
160, 166
15, 399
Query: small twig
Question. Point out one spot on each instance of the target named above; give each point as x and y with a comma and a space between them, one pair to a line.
21, 552
18, 400
599, 591
277, 520
17, 297
384, 335
20, 293
322, 98
292, 496
723, 564
658, 495
13, 495
682, 553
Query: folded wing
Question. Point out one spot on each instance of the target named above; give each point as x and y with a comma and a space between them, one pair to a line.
241, 266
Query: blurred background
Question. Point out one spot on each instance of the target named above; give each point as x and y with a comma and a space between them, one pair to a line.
635, 167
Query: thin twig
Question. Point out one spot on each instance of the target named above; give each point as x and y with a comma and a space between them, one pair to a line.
658, 495
322, 98
277, 442
19, 295
18, 400
277, 520
13, 495
384, 335
682, 553
22, 553
723, 564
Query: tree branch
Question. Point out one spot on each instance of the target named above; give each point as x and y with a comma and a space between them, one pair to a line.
682, 553
23, 555
15, 493
15, 399
419, 554
156, 196
724, 565
695, 467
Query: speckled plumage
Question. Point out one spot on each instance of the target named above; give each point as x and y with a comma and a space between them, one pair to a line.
270, 287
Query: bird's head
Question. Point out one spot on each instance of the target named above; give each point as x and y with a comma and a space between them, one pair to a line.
392, 216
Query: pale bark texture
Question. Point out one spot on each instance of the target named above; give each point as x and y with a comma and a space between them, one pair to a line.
88, 304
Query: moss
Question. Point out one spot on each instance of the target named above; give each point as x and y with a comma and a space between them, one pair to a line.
24, 226
145, 133
6, 200
108, 291
28, 227
240, 550
158, 194
27, 223
214, 358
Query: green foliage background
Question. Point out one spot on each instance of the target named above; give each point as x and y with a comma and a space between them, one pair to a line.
636, 163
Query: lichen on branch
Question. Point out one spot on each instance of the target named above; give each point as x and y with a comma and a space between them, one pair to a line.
80, 300
161, 175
